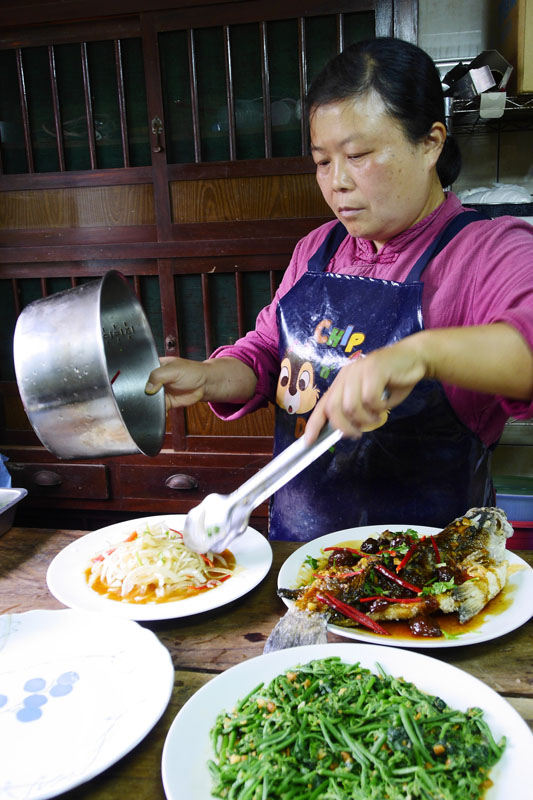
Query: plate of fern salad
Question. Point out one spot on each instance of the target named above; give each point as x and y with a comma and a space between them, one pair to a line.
347, 722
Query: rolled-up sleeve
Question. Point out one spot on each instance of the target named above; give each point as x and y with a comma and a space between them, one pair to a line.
259, 349
509, 299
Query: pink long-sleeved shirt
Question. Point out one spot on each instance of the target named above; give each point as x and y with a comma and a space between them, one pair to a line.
484, 275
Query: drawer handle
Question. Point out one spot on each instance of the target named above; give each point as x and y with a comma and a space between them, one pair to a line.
46, 477
181, 481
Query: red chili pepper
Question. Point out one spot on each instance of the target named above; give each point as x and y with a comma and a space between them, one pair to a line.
107, 553
396, 578
211, 580
407, 557
207, 560
351, 613
436, 549
131, 537
175, 531
390, 599
390, 552
348, 549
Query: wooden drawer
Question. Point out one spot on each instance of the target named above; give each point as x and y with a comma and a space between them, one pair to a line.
86, 481
188, 483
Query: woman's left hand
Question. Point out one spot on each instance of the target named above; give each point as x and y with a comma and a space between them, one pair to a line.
493, 359
365, 388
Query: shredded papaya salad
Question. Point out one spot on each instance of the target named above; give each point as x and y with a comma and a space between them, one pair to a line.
338, 731
154, 565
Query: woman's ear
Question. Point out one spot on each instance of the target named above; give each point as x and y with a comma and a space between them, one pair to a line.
434, 141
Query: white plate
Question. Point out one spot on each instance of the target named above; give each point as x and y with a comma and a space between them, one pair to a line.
67, 582
520, 582
187, 747
77, 692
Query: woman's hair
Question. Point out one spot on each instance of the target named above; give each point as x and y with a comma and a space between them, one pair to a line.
406, 79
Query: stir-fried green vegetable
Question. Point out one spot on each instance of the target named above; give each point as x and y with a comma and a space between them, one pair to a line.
339, 732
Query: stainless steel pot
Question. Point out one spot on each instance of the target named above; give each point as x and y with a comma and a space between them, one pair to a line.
82, 359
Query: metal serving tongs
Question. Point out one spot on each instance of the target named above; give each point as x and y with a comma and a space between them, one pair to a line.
219, 518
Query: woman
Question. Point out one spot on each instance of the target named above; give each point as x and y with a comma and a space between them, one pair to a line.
407, 323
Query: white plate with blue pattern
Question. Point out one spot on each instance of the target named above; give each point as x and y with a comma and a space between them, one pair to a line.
78, 691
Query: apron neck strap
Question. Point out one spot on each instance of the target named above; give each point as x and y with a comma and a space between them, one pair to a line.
452, 229
319, 260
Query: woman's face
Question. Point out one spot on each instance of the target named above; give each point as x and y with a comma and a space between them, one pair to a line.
372, 177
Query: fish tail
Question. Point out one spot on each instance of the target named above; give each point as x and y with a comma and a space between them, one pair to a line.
474, 594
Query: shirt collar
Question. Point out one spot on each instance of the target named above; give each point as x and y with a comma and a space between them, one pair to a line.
364, 248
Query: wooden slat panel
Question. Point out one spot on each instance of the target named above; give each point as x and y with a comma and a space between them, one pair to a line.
78, 208
302, 64
195, 108
384, 18
239, 294
224, 13
340, 33
56, 107
202, 422
86, 177
24, 111
265, 82
122, 103
282, 196
88, 103
88, 31
208, 240
406, 20
230, 98
194, 13
52, 244
155, 111
206, 308
185, 172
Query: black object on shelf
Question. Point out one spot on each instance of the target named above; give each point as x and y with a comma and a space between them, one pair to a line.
502, 209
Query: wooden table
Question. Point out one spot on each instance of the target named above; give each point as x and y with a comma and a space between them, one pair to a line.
206, 645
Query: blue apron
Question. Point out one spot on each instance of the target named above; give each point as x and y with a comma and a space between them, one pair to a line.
423, 466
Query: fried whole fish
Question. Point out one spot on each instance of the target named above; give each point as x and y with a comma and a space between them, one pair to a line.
401, 576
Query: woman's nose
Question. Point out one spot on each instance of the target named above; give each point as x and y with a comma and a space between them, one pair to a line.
340, 179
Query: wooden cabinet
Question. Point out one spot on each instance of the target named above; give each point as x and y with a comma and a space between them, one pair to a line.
169, 145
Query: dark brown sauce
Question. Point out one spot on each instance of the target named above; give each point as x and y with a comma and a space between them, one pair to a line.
447, 622
150, 595
450, 622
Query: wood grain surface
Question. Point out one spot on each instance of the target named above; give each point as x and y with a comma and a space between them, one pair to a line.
206, 645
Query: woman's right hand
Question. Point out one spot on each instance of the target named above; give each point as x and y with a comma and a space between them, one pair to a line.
184, 381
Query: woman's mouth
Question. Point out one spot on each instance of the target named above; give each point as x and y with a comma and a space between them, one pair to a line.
347, 213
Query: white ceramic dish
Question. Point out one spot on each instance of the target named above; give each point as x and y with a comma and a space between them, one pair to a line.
520, 584
187, 747
77, 692
66, 579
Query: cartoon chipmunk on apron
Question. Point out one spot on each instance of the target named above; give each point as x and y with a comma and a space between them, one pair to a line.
421, 464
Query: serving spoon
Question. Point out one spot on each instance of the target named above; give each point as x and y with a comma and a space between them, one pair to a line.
219, 518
